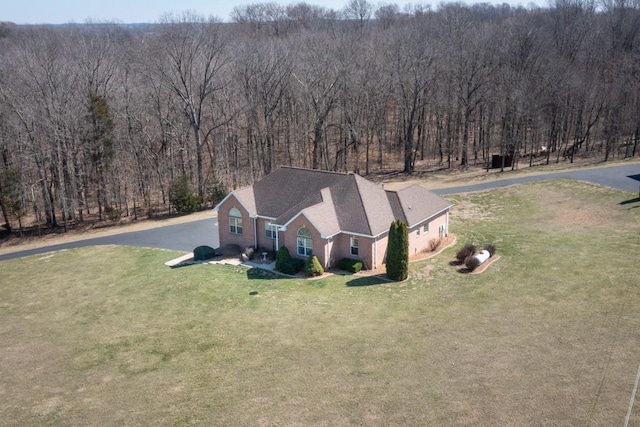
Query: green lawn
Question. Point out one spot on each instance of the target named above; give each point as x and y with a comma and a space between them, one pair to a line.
547, 335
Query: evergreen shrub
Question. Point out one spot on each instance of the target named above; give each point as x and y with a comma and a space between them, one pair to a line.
313, 267
183, 198
282, 257
202, 253
398, 251
348, 264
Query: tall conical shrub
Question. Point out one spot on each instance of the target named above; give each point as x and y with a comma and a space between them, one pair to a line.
398, 251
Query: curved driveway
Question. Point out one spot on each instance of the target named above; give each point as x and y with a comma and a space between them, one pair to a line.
612, 176
185, 237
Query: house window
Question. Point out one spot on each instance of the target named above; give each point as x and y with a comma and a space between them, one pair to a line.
305, 243
354, 246
270, 230
235, 221
425, 227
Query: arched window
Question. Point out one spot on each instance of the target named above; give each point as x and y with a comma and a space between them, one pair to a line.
305, 242
235, 221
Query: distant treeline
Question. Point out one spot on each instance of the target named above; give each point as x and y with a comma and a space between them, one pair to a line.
98, 120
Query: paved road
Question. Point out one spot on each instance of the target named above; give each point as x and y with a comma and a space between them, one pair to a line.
185, 237
613, 176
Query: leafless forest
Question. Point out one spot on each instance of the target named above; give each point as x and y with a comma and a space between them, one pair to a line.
98, 120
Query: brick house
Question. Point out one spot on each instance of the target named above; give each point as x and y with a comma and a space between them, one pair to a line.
330, 215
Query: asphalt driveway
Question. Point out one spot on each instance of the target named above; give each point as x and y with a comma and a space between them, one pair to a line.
180, 237
187, 236
613, 176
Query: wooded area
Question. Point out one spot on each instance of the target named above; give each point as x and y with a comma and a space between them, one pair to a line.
98, 120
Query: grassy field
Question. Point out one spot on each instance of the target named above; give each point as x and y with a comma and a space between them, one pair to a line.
547, 335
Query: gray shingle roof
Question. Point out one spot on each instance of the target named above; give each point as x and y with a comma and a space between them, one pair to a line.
288, 187
419, 204
337, 202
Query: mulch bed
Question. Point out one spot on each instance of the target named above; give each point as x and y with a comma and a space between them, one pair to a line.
479, 269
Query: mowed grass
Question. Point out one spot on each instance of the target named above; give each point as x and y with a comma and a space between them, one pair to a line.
547, 335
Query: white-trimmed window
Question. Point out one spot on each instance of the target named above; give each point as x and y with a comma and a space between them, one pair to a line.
235, 221
354, 245
425, 227
270, 231
305, 242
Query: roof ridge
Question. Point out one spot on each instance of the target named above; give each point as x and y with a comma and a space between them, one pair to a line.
366, 213
316, 170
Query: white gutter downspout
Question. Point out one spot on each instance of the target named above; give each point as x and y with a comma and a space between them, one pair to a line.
446, 227
375, 252
277, 239
255, 232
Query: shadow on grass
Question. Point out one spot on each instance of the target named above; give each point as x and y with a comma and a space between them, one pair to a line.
366, 281
183, 264
627, 202
260, 274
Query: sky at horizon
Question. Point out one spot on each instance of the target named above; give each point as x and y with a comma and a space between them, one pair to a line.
150, 11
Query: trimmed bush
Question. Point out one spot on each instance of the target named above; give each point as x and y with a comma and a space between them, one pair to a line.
283, 257
490, 248
464, 252
313, 267
471, 262
202, 253
348, 264
292, 267
434, 244
398, 251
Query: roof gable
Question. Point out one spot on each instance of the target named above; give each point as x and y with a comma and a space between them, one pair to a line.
419, 204
378, 211
288, 187
244, 196
247, 198
323, 215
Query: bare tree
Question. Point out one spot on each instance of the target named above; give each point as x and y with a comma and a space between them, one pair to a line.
317, 76
192, 54
265, 70
413, 73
